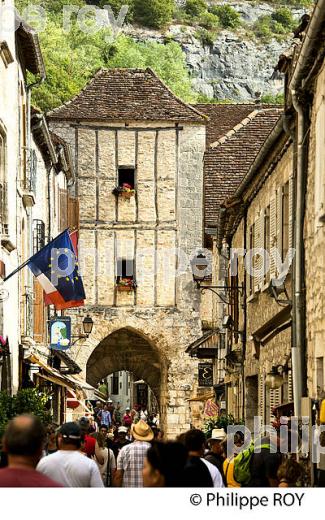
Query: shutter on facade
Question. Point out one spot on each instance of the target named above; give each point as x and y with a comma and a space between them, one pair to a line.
273, 236
39, 313
261, 397
291, 219
73, 213
279, 223
290, 386
275, 400
63, 197
260, 245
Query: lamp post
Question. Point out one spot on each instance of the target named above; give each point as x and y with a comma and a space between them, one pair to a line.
87, 325
200, 272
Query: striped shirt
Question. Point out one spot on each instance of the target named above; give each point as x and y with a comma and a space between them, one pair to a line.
130, 460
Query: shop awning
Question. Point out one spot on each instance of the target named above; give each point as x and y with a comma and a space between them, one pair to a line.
205, 347
278, 323
51, 374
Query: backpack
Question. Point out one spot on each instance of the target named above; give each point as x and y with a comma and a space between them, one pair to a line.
242, 464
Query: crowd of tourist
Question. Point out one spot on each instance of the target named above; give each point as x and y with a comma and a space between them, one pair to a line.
131, 452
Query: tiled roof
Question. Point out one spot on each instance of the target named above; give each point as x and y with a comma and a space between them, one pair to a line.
228, 160
223, 117
124, 95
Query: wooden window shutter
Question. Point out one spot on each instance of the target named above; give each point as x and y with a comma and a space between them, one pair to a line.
291, 219
279, 222
273, 236
260, 245
261, 396
290, 386
73, 213
39, 313
63, 198
275, 400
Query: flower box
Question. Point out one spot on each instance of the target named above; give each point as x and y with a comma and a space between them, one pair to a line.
124, 191
126, 285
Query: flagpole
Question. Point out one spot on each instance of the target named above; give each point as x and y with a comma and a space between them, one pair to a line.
19, 268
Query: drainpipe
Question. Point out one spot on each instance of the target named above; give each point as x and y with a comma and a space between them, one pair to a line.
298, 341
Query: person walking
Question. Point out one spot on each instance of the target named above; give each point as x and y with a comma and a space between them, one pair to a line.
127, 418
216, 455
130, 460
104, 458
164, 465
121, 440
198, 471
68, 465
23, 442
105, 416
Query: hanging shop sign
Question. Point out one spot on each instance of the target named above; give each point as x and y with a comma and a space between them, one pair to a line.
205, 374
60, 333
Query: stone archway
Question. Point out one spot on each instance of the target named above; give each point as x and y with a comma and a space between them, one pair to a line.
127, 349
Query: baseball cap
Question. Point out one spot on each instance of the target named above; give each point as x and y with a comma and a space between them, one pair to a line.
122, 429
70, 430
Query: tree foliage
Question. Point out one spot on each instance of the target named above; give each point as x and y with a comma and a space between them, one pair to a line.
154, 13
29, 401
195, 8
228, 16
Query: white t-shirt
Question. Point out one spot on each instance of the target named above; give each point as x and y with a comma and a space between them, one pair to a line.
215, 474
103, 467
71, 469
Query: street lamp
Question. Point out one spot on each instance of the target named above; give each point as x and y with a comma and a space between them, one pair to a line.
274, 379
87, 325
201, 270
199, 266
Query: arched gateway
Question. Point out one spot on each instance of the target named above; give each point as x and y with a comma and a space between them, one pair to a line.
126, 349
139, 153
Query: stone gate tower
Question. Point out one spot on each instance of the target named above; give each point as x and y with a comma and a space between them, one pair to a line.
139, 166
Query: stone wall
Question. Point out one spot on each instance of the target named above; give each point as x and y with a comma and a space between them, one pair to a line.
314, 244
164, 215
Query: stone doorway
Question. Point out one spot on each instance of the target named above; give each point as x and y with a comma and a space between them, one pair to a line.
128, 350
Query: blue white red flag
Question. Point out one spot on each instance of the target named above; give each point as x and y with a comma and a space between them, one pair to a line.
56, 268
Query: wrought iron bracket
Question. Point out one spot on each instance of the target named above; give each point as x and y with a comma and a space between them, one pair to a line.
215, 289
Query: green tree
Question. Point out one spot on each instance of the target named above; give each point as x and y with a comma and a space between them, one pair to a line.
195, 8
116, 6
154, 13
228, 16
168, 62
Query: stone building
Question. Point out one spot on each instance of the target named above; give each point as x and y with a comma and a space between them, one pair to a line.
237, 134
257, 218
19, 55
139, 166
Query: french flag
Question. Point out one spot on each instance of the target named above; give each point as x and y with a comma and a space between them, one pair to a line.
56, 268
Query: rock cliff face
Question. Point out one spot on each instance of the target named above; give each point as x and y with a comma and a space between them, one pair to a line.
236, 66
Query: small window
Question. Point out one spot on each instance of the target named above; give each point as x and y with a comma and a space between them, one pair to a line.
126, 178
125, 269
38, 235
115, 384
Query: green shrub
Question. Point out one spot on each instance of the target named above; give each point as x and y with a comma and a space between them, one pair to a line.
207, 38
154, 13
116, 6
283, 16
262, 28
195, 8
228, 16
271, 99
210, 21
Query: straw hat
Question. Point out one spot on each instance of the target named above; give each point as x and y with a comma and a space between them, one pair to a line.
218, 434
141, 431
